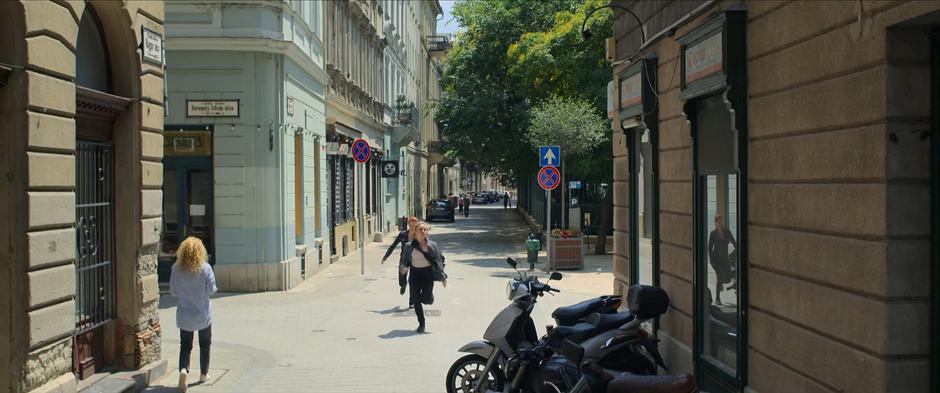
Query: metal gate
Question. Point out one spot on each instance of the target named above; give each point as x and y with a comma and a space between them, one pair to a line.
94, 228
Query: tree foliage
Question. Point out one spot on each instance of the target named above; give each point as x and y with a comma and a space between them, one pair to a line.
511, 57
571, 123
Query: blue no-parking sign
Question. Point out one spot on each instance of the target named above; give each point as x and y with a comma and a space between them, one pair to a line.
361, 150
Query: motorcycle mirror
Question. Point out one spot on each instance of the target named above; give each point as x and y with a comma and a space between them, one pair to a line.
555, 276
511, 262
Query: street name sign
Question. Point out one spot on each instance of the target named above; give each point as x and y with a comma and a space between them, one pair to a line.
361, 150
549, 155
549, 178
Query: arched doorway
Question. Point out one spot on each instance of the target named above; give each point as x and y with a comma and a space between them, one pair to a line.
95, 201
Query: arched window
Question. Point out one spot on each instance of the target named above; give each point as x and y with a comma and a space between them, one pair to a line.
91, 61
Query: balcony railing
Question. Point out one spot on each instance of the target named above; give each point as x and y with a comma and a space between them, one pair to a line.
438, 43
406, 115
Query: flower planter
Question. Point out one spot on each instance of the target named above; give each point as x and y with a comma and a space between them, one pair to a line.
565, 253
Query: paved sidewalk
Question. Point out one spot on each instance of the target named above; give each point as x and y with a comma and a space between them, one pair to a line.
340, 331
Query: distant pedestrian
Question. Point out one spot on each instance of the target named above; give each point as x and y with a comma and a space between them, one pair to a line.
192, 281
404, 237
505, 201
427, 266
460, 203
466, 205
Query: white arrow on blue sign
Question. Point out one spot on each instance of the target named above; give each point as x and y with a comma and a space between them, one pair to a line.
549, 155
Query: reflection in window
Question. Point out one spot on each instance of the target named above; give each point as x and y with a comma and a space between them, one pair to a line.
643, 213
721, 293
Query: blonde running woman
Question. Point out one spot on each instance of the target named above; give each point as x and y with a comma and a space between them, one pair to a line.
192, 281
426, 263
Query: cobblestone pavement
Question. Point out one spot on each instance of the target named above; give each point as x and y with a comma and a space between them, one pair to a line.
341, 331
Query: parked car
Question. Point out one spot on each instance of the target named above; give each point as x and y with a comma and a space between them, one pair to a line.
480, 198
440, 209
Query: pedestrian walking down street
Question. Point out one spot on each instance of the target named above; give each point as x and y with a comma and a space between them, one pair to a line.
192, 281
460, 203
466, 205
505, 201
427, 266
404, 237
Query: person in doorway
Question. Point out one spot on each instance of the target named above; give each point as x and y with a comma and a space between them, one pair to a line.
426, 263
192, 282
403, 238
718, 241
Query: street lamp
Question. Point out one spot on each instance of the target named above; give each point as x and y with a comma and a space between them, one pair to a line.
586, 33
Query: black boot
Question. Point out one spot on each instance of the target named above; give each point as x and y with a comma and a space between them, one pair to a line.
420, 328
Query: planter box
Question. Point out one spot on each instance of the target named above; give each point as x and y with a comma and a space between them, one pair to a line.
565, 253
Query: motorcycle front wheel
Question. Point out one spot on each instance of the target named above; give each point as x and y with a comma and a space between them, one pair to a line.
466, 371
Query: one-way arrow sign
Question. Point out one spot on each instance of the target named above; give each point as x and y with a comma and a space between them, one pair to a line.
549, 155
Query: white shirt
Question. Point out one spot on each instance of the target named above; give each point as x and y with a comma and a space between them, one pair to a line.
418, 260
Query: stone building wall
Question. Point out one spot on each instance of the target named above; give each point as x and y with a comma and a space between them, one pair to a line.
839, 202
38, 109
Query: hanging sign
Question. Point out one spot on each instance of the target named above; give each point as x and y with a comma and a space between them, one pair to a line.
152, 46
389, 168
211, 108
704, 58
631, 90
549, 178
611, 100
361, 150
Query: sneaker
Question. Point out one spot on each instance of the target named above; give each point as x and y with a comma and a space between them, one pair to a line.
420, 328
203, 378
182, 384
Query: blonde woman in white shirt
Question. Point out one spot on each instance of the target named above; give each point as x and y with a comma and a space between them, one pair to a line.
427, 266
192, 281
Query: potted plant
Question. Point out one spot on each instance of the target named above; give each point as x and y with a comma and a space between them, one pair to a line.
565, 248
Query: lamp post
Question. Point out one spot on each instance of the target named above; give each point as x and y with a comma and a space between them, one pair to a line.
586, 33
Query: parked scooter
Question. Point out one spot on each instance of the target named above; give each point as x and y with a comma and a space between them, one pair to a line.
511, 357
595, 379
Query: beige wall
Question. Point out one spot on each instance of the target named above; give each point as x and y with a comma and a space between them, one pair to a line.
838, 230
38, 106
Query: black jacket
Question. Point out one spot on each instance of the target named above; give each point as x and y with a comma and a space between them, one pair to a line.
433, 255
401, 238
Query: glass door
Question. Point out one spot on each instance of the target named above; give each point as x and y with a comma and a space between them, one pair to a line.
187, 210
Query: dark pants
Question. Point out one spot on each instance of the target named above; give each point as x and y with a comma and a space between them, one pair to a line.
422, 290
186, 348
466, 211
402, 282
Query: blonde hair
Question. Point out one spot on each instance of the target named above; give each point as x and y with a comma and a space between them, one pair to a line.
191, 254
422, 224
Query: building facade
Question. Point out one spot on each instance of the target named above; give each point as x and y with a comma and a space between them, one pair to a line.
245, 163
81, 95
776, 171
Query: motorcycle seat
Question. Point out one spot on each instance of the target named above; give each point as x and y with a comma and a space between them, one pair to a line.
576, 333
631, 383
605, 322
570, 315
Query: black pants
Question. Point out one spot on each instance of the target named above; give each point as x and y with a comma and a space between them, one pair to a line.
422, 290
186, 348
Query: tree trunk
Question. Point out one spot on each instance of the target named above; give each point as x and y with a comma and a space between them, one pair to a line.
607, 220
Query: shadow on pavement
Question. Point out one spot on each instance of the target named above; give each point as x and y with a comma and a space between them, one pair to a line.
394, 310
399, 333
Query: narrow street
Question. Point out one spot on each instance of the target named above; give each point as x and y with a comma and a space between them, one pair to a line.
341, 331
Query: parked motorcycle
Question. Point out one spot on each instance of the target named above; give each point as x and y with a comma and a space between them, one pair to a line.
511, 357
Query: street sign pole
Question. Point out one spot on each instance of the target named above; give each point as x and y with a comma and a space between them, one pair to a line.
361, 151
548, 226
362, 220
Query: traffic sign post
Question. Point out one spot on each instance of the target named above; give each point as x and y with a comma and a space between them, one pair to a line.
361, 152
549, 155
548, 179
